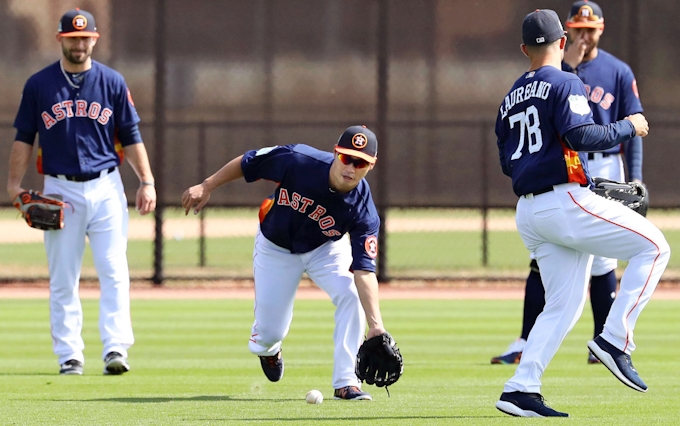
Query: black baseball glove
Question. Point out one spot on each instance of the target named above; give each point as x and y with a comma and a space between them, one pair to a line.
44, 212
631, 194
379, 361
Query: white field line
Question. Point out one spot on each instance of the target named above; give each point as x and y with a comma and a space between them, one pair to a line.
16, 231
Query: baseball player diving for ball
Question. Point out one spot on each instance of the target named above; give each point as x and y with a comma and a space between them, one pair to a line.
545, 128
321, 197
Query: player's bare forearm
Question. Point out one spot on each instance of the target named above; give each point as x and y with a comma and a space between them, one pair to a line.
139, 161
197, 196
367, 287
228, 173
145, 200
18, 164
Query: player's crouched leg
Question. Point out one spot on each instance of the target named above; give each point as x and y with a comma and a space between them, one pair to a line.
270, 356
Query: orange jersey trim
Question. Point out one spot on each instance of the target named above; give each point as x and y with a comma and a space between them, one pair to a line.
575, 172
265, 207
118, 146
39, 162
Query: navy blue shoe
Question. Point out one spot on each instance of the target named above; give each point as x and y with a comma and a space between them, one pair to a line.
272, 366
521, 404
618, 362
512, 355
592, 359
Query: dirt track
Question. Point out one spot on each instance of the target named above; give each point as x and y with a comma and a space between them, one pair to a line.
15, 231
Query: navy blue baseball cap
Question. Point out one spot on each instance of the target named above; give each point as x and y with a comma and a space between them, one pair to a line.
358, 141
585, 14
77, 23
541, 27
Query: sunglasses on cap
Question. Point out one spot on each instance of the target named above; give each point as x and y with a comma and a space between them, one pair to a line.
359, 163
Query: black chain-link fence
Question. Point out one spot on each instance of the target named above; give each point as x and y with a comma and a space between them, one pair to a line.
214, 78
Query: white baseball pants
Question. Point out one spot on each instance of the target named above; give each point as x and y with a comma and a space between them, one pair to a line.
564, 228
96, 209
277, 275
609, 167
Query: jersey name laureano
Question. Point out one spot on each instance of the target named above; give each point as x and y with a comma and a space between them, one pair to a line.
301, 204
79, 108
537, 89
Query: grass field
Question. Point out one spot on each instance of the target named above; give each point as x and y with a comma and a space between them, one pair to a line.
191, 366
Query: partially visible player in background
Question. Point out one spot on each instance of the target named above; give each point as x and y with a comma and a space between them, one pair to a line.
321, 197
545, 128
612, 95
86, 124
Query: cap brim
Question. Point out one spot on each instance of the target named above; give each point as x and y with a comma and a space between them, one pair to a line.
80, 34
354, 153
598, 25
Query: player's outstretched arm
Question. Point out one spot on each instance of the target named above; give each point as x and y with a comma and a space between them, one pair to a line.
367, 287
197, 196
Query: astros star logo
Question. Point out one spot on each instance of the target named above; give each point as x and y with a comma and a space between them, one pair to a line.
371, 246
79, 22
359, 140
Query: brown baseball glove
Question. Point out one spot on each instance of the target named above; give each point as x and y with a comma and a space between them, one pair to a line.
44, 212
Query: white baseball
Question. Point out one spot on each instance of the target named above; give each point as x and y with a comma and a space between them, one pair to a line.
314, 397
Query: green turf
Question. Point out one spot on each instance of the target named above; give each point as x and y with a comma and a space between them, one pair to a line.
191, 366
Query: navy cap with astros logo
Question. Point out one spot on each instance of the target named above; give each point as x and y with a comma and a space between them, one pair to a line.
541, 27
77, 23
358, 141
585, 14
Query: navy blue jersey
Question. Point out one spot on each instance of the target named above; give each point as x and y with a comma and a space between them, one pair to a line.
610, 87
77, 125
539, 109
304, 212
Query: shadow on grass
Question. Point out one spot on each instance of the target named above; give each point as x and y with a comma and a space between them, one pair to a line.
51, 374
142, 400
349, 419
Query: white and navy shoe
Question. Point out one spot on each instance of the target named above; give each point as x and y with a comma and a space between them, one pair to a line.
521, 404
352, 393
72, 366
115, 364
618, 362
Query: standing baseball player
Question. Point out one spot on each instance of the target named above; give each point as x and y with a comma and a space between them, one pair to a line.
612, 95
543, 122
320, 198
83, 114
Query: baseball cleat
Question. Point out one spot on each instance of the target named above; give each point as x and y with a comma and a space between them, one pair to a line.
352, 393
618, 362
520, 404
115, 364
512, 355
272, 366
72, 366
592, 359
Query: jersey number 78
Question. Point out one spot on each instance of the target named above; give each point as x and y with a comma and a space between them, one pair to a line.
528, 129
